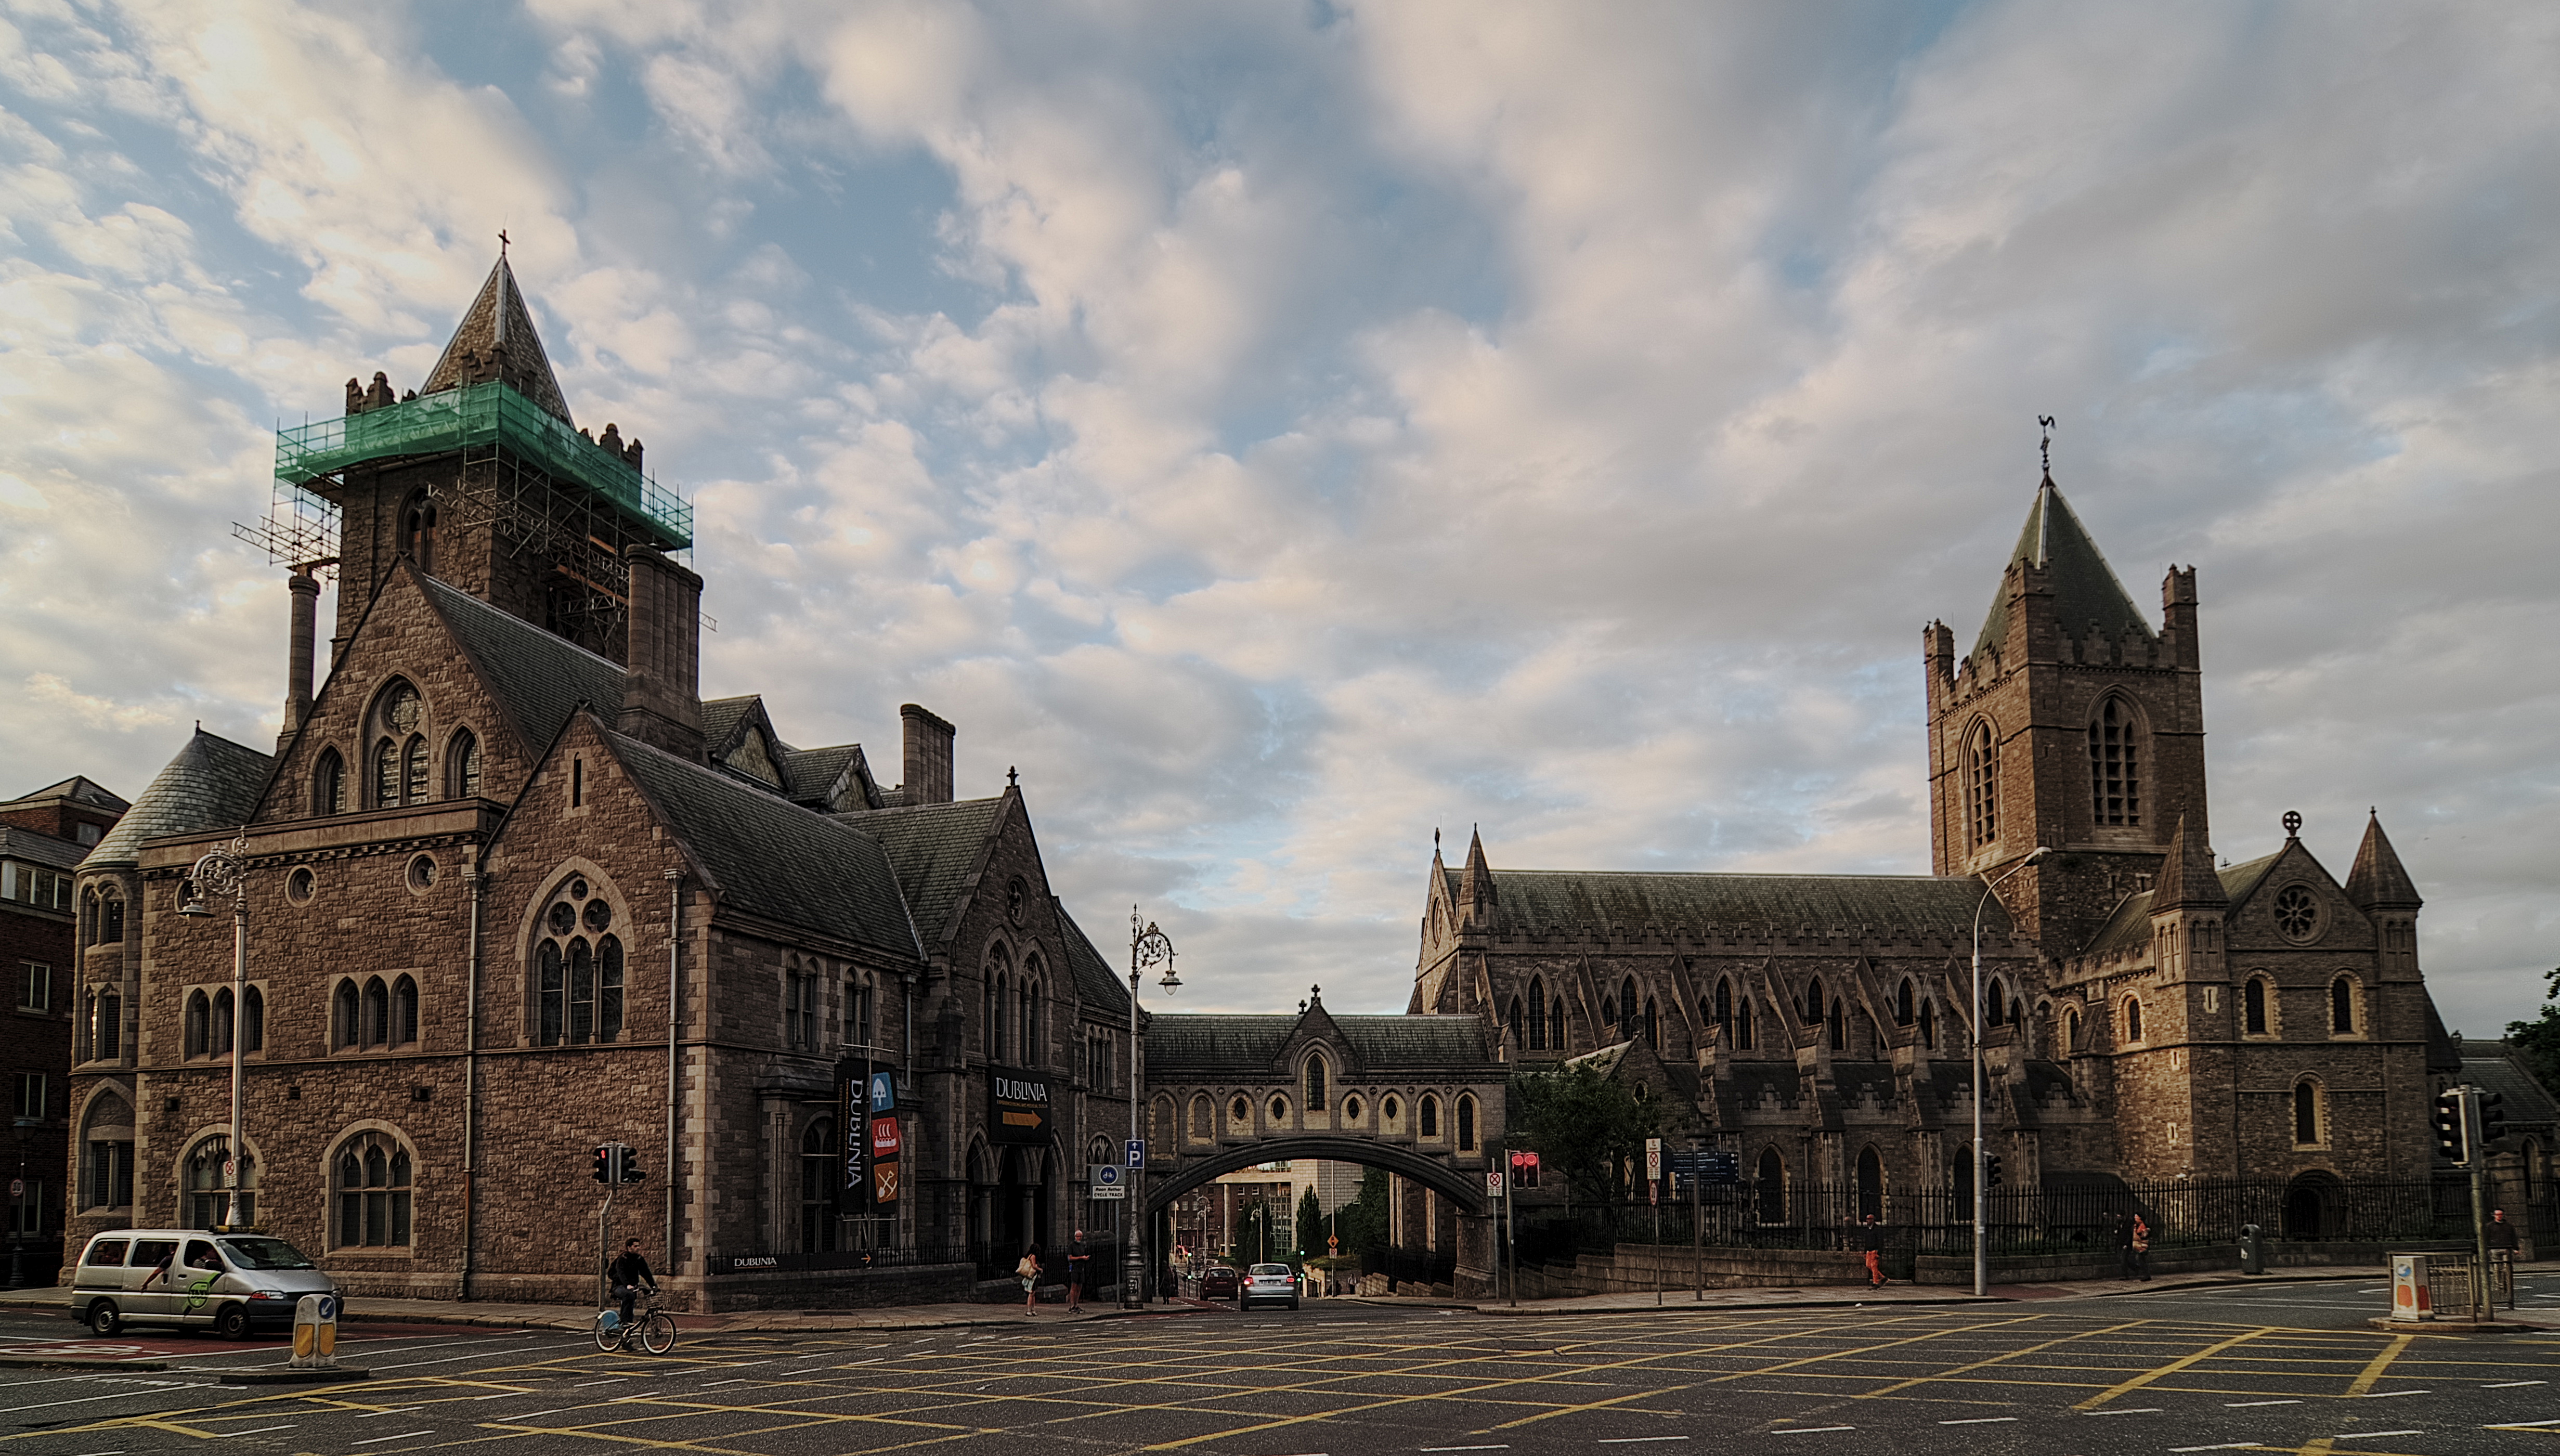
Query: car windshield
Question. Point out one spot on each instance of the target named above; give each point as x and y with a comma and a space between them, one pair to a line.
1266, 1270
265, 1253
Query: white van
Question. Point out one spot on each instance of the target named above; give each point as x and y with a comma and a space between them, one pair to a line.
231, 1282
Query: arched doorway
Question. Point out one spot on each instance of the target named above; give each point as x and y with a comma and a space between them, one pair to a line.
1769, 1187
1871, 1184
2306, 1205
1019, 1204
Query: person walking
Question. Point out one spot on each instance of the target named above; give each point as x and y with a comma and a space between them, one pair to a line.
627, 1275
1870, 1235
2142, 1248
1029, 1271
2124, 1245
2501, 1234
1078, 1261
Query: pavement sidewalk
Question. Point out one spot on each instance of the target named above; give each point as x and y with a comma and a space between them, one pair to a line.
968, 1316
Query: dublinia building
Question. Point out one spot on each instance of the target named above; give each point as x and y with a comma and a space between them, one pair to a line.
514, 889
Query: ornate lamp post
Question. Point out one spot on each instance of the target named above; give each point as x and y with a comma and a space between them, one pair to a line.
1981, 1251
224, 873
1148, 946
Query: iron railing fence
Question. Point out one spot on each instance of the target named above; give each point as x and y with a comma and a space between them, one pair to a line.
2059, 1219
841, 1259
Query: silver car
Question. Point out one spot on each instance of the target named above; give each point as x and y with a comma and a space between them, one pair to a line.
1273, 1282
232, 1283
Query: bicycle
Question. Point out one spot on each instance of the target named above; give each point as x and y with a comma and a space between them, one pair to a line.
652, 1327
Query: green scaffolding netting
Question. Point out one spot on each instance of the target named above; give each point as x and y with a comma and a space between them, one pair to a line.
482, 414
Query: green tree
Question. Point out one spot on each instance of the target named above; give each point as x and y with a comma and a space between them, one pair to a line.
1310, 1226
1588, 1128
2538, 1041
1361, 1222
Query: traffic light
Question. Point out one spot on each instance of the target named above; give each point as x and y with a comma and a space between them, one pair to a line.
2449, 1124
603, 1165
631, 1164
1990, 1170
2493, 1117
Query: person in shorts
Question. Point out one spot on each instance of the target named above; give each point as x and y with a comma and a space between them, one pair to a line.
1029, 1271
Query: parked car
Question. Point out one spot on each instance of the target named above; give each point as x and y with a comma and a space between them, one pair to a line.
1221, 1282
231, 1282
1268, 1282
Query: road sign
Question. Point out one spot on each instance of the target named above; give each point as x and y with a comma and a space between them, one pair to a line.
1105, 1194
16, 1188
1103, 1175
1137, 1152
1654, 1159
1494, 1182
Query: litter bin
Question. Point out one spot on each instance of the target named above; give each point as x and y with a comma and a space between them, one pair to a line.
2253, 1255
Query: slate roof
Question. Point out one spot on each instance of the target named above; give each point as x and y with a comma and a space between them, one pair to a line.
1534, 901
1212, 1045
40, 849
722, 718
772, 859
537, 678
808, 774
496, 319
2526, 1101
934, 846
1097, 984
2084, 588
2129, 927
212, 783
2378, 880
79, 789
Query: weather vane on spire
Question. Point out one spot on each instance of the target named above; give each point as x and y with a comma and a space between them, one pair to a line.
2045, 446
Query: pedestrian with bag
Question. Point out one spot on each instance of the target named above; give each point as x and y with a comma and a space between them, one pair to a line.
1078, 1261
1870, 1234
2142, 1248
1029, 1271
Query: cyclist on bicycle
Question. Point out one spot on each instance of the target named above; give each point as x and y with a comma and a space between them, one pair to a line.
627, 1275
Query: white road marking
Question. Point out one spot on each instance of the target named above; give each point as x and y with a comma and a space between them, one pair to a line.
616, 1380
2373, 1435
2387, 1395
2244, 1405
259, 1431
2518, 1425
537, 1414
1806, 1430
1980, 1421
2225, 1446
1636, 1440
395, 1410
403, 1437
1504, 1447
2513, 1385
2130, 1410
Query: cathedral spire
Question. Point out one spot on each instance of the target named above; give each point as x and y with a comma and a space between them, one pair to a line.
496, 340
1476, 888
2186, 881
2084, 588
2378, 882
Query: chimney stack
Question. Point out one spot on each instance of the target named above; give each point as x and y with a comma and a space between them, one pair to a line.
297, 653
929, 757
661, 702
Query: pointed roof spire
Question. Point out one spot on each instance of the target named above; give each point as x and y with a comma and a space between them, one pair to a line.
2186, 881
496, 340
1475, 889
2084, 588
2378, 882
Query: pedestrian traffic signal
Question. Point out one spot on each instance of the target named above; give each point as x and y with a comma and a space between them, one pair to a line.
2493, 1117
627, 1163
603, 1164
2449, 1124
1990, 1170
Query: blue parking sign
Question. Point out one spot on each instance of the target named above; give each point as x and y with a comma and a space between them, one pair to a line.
1137, 1152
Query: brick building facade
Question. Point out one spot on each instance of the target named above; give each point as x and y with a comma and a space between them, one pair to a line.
514, 889
2150, 1013
42, 837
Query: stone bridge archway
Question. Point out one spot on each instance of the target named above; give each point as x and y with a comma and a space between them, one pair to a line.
1465, 1190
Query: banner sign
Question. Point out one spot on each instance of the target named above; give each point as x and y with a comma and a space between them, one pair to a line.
886, 1147
853, 1117
1018, 1109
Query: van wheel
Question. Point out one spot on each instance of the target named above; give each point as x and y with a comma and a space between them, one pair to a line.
104, 1321
231, 1323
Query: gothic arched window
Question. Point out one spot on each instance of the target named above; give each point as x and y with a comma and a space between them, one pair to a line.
1315, 1091
377, 1020
329, 783
2115, 769
818, 1170
462, 766
200, 1024
343, 1021
404, 1020
2306, 1113
252, 1028
1839, 1025
414, 764
579, 967
1902, 1012
1430, 1117
386, 774
1982, 783
372, 1178
417, 530
2253, 1007
2132, 1020
1536, 1013
222, 1027
2342, 1007
1466, 1125
1555, 1023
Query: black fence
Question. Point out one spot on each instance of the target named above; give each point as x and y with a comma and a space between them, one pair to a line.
2080, 1217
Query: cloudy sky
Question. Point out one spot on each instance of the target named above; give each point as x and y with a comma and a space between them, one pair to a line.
1282, 429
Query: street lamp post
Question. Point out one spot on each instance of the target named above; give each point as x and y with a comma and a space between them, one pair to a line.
1148, 946
224, 872
1982, 1249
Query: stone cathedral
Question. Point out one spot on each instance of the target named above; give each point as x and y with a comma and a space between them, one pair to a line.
2149, 1012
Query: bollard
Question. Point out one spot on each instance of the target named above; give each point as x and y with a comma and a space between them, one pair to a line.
315, 1333
2253, 1257
2410, 1297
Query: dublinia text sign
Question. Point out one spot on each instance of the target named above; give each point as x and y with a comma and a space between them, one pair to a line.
1017, 1111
